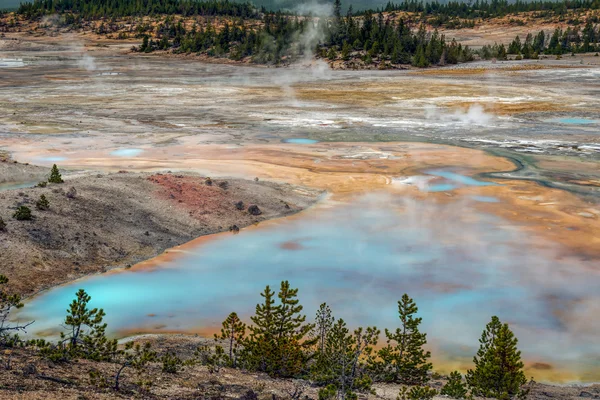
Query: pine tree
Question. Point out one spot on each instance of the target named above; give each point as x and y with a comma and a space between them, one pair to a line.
454, 388
342, 364
278, 342
42, 203
405, 361
55, 176
498, 369
87, 334
233, 332
323, 323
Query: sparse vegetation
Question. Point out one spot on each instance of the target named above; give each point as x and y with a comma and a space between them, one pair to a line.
9, 302
280, 342
42, 203
23, 213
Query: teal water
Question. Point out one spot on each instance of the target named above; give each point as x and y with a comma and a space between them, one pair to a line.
452, 180
127, 152
300, 141
485, 199
460, 266
575, 121
16, 185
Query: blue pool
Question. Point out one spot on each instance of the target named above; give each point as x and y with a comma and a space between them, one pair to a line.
460, 266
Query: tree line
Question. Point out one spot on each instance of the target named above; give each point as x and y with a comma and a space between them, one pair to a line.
284, 39
492, 9
94, 9
280, 341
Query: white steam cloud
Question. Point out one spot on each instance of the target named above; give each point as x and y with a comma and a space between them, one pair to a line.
475, 114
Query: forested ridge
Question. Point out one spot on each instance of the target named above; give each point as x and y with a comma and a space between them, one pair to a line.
240, 32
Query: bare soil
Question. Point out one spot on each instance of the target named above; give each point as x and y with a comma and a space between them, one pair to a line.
119, 219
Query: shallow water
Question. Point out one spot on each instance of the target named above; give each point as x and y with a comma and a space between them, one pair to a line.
126, 152
300, 141
16, 185
452, 259
575, 121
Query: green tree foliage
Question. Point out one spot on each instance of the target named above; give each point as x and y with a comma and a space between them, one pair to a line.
498, 369
42, 203
278, 342
323, 322
341, 366
171, 363
232, 332
86, 336
9, 302
23, 213
55, 176
95, 9
455, 388
134, 356
404, 360
416, 393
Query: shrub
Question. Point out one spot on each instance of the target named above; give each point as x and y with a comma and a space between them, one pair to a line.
42, 184
55, 176
171, 363
71, 193
455, 388
42, 203
416, 393
329, 392
23, 213
2, 225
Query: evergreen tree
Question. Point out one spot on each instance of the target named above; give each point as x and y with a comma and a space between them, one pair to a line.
323, 323
278, 342
454, 388
498, 369
55, 176
42, 203
404, 361
86, 336
233, 332
342, 364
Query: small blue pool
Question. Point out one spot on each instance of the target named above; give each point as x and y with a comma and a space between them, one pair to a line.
300, 141
575, 121
126, 152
